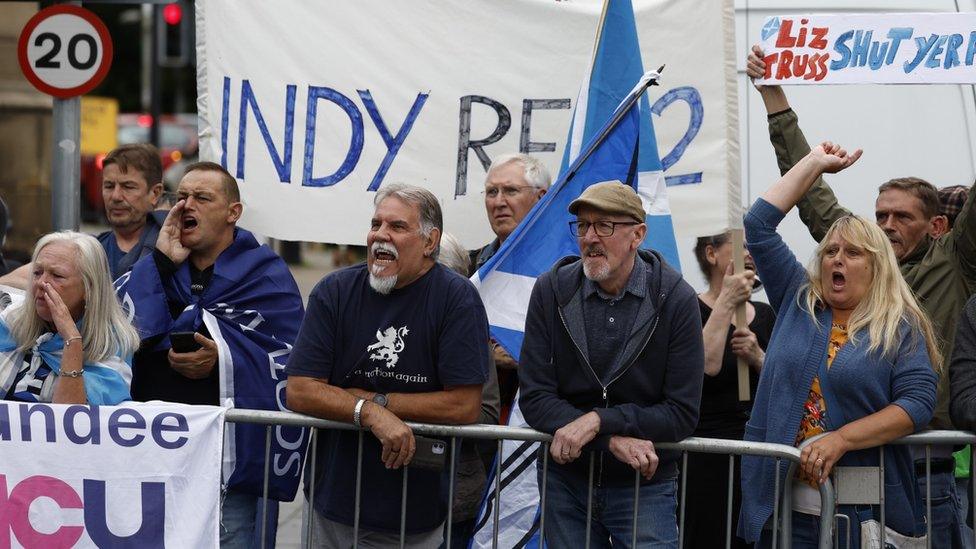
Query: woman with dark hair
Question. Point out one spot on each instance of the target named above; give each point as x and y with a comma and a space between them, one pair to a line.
722, 414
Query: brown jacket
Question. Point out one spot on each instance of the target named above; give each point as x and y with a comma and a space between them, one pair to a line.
941, 271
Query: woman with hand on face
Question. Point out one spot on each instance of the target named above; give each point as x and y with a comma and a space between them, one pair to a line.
722, 414
69, 342
852, 361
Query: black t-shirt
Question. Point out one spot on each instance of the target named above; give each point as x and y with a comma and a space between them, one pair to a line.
152, 376
424, 337
722, 414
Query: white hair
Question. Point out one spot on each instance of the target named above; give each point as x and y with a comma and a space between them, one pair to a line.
430, 209
105, 332
453, 255
535, 172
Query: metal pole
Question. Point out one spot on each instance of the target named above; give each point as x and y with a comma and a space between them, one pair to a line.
155, 84
66, 168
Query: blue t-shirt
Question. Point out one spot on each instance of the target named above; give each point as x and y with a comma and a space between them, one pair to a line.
424, 337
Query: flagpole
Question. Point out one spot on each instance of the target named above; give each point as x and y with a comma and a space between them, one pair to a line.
649, 79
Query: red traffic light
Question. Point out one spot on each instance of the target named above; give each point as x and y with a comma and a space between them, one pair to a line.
173, 13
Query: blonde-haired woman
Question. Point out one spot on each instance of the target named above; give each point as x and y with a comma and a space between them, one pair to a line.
69, 342
850, 360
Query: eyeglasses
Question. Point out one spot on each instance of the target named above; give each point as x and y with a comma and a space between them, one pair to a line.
602, 228
507, 191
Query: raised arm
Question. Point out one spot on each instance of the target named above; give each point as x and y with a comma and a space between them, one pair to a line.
819, 207
824, 158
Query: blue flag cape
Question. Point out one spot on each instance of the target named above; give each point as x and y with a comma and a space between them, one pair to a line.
252, 309
106, 382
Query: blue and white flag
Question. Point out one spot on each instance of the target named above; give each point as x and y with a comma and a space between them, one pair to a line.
252, 310
611, 137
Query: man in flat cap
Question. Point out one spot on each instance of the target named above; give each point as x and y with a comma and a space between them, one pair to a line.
612, 362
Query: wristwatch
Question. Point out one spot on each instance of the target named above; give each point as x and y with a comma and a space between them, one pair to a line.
380, 398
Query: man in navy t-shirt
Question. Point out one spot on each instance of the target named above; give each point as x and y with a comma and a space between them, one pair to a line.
400, 338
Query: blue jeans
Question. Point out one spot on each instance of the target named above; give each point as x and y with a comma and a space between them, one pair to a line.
613, 513
946, 529
240, 521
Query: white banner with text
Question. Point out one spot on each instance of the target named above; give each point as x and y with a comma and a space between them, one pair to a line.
313, 106
144, 475
903, 48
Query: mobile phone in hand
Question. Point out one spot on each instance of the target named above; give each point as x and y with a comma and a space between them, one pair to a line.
183, 342
431, 454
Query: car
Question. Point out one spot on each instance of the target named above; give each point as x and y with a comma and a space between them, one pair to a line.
178, 138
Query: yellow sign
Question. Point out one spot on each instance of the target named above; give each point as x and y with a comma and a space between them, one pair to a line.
99, 124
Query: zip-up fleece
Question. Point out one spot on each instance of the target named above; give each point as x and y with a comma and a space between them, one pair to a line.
651, 392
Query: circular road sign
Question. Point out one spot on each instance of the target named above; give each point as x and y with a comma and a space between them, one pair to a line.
65, 51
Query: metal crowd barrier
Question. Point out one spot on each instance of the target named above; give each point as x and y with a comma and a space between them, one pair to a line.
780, 520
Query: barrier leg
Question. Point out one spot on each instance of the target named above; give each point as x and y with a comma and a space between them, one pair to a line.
589, 500
542, 492
498, 498
450, 492
309, 502
633, 534
684, 494
403, 508
776, 504
728, 503
359, 492
264, 490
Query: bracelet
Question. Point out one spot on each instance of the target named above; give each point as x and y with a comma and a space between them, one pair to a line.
67, 342
76, 373
357, 413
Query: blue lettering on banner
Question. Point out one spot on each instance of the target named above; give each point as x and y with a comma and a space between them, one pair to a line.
159, 427
151, 532
81, 425
116, 424
356, 141
690, 96
282, 157
282, 163
873, 53
393, 144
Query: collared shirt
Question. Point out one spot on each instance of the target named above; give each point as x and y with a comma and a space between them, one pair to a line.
609, 319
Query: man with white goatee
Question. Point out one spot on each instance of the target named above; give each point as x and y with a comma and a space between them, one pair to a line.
401, 338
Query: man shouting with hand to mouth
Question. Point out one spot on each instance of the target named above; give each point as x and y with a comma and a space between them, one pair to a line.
239, 311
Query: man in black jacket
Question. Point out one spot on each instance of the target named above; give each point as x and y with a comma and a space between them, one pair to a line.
612, 361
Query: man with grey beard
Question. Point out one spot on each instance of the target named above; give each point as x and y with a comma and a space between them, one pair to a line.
612, 362
401, 338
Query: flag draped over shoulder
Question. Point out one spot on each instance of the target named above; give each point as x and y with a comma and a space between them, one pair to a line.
611, 137
252, 310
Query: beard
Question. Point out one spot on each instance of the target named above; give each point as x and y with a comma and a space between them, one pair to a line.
596, 269
382, 284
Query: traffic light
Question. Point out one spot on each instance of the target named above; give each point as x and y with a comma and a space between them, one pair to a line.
173, 33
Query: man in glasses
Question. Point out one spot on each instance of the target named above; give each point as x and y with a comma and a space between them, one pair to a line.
515, 182
612, 362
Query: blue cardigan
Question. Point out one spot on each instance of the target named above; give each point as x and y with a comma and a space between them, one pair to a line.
858, 384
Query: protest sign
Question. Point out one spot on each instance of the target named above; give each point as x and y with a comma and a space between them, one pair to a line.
315, 105
905, 48
109, 476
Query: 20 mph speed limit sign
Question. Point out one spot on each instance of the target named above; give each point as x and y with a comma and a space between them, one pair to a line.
65, 51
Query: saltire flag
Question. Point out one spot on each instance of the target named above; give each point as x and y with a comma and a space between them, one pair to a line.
611, 137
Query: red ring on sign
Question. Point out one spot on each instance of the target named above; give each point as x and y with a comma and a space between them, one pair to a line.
104, 37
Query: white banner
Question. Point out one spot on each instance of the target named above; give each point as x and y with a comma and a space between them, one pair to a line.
110, 476
313, 105
904, 48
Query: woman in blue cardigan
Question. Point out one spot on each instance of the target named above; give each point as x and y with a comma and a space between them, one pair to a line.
852, 359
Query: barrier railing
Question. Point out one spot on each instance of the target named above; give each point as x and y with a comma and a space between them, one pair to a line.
780, 520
